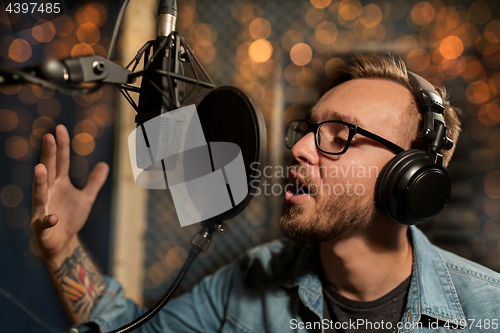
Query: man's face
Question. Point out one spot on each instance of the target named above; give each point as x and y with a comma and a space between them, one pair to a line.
341, 187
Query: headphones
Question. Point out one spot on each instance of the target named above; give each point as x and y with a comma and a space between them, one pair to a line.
414, 186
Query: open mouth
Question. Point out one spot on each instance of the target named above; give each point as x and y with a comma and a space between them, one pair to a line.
299, 189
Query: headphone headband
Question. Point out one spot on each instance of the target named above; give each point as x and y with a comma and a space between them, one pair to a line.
434, 132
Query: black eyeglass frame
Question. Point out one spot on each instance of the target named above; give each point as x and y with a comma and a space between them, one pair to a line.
353, 130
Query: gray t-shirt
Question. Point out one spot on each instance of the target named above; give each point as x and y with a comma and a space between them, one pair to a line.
345, 315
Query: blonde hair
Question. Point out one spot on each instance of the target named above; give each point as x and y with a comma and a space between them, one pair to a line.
394, 69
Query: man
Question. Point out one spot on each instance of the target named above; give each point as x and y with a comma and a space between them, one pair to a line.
348, 268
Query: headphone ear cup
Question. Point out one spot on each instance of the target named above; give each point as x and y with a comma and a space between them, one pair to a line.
411, 188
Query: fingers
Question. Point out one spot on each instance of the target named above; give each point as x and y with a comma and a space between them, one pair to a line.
62, 156
45, 222
96, 180
48, 157
40, 190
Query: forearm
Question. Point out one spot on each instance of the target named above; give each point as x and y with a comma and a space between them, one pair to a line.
78, 281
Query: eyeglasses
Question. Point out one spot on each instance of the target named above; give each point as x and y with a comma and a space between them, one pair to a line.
332, 137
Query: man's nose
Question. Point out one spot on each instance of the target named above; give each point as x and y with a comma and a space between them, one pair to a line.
304, 151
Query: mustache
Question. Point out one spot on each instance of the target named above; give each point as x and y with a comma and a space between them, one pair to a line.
307, 181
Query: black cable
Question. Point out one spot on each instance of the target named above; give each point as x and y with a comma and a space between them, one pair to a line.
118, 22
158, 306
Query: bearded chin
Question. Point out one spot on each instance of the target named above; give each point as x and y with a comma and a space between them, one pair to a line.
337, 219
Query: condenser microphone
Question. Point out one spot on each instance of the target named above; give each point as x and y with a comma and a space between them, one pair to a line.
162, 93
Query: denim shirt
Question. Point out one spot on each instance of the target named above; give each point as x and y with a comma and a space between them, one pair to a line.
276, 288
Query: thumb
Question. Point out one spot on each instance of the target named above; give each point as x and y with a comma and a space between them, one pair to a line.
45, 222
96, 180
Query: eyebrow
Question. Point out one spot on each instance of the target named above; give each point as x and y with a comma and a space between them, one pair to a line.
334, 115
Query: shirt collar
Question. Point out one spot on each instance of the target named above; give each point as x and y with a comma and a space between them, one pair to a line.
431, 292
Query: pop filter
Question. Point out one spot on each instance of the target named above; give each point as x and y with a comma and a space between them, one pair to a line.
228, 115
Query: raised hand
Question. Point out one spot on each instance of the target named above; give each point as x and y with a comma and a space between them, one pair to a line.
59, 209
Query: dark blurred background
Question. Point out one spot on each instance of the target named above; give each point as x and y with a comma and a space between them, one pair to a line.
277, 52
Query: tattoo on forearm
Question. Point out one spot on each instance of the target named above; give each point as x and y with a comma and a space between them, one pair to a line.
80, 282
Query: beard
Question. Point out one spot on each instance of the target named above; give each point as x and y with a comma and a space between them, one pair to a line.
332, 219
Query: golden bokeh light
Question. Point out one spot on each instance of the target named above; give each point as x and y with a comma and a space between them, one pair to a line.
321, 3
16, 147
88, 33
82, 49
242, 54
262, 68
259, 28
374, 35
489, 114
83, 144
105, 112
42, 93
19, 50
186, 16
43, 125
478, 92
27, 95
418, 60
11, 195
492, 31
66, 26
370, 15
422, 13
474, 69
290, 38
43, 31
479, 12
314, 16
406, 44
301, 54
271, 91
156, 275
453, 67
165, 245
260, 50
8, 120
451, 47
331, 65
10, 89
175, 257
326, 32
86, 126
146, 280
349, 10
205, 34
94, 13
247, 73
255, 89
205, 53
57, 49
492, 184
